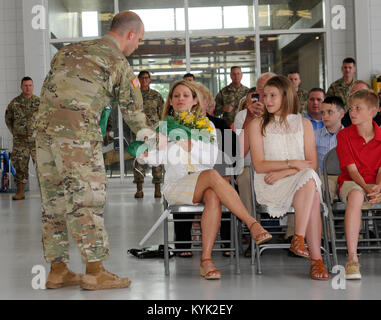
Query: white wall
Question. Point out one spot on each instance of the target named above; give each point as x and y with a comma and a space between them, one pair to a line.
12, 67
375, 36
342, 42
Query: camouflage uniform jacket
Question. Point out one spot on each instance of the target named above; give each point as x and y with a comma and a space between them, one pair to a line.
153, 104
303, 96
20, 116
340, 89
84, 78
229, 96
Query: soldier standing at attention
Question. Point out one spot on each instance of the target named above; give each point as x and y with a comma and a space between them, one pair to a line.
302, 94
227, 100
19, 117
153, 104
84, 78
342, 87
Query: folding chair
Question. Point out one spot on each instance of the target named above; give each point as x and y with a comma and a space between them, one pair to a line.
336, 213
257, 250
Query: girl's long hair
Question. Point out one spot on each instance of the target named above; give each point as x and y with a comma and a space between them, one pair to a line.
168, 109
290, 101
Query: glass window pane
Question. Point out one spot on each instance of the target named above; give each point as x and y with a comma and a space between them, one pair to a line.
157, 19
220, 15
290, 14
73, 18
205, 18
232, 12
295, 52
212, 58
158, 15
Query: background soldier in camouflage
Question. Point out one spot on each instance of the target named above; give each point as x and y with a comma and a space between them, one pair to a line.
342, 87
302, 94
153, 104
19, 117
227, 100
84, 78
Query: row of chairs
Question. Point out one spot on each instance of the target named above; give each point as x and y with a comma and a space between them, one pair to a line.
333, 235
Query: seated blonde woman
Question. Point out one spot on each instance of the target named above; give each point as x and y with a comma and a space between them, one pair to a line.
190, 179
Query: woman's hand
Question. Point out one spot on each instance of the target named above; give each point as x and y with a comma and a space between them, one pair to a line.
301, 164
185, 144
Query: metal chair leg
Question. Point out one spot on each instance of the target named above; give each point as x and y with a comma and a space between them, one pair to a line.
166, 252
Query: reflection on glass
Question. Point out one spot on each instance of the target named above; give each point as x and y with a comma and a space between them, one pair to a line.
212, 58
70, 19
290, 14
295, 52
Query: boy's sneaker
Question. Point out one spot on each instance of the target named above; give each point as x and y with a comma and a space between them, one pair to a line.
352, 270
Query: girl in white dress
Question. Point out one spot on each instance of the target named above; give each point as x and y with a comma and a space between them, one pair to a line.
190, 179
283, 152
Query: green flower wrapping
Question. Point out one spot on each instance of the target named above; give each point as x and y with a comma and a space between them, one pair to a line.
179, 127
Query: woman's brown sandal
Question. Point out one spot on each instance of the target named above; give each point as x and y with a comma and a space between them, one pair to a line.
298, 246
318, 270
214, 274
262, 236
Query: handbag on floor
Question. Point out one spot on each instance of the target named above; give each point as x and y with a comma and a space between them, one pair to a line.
156, 251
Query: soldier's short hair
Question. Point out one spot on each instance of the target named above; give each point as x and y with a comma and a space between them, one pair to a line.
125, 21
144, 72
26, 79
292, 72
349, 60
188, 75
335, 100
234, 67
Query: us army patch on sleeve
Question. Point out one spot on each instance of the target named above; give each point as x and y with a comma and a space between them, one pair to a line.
135, 82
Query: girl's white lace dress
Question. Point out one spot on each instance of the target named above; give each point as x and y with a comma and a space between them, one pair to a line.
283, 142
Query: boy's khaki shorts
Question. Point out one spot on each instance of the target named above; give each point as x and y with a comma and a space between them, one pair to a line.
347, 187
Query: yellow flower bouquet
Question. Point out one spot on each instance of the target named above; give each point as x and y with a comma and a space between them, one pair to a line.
185, 125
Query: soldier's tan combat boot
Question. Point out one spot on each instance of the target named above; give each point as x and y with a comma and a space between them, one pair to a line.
20, 192
139, 191
157, 190
97, 278
60, 276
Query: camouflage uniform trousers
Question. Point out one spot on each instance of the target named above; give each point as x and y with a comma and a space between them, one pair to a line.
73, 192
139, 173
23, 149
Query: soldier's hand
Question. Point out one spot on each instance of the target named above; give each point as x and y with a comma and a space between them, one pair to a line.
228, 108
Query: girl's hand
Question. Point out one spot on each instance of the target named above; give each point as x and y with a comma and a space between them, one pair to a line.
301, 164
273, 177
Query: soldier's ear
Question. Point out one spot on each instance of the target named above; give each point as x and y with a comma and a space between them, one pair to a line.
131, 34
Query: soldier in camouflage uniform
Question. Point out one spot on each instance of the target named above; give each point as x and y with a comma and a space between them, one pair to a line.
227, 100
342, 87
84, 78
19, 117
153, 104
294, 77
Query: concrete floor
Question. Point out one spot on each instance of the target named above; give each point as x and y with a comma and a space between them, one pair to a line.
127, 220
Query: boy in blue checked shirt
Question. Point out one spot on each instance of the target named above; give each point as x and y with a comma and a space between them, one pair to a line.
332, 111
